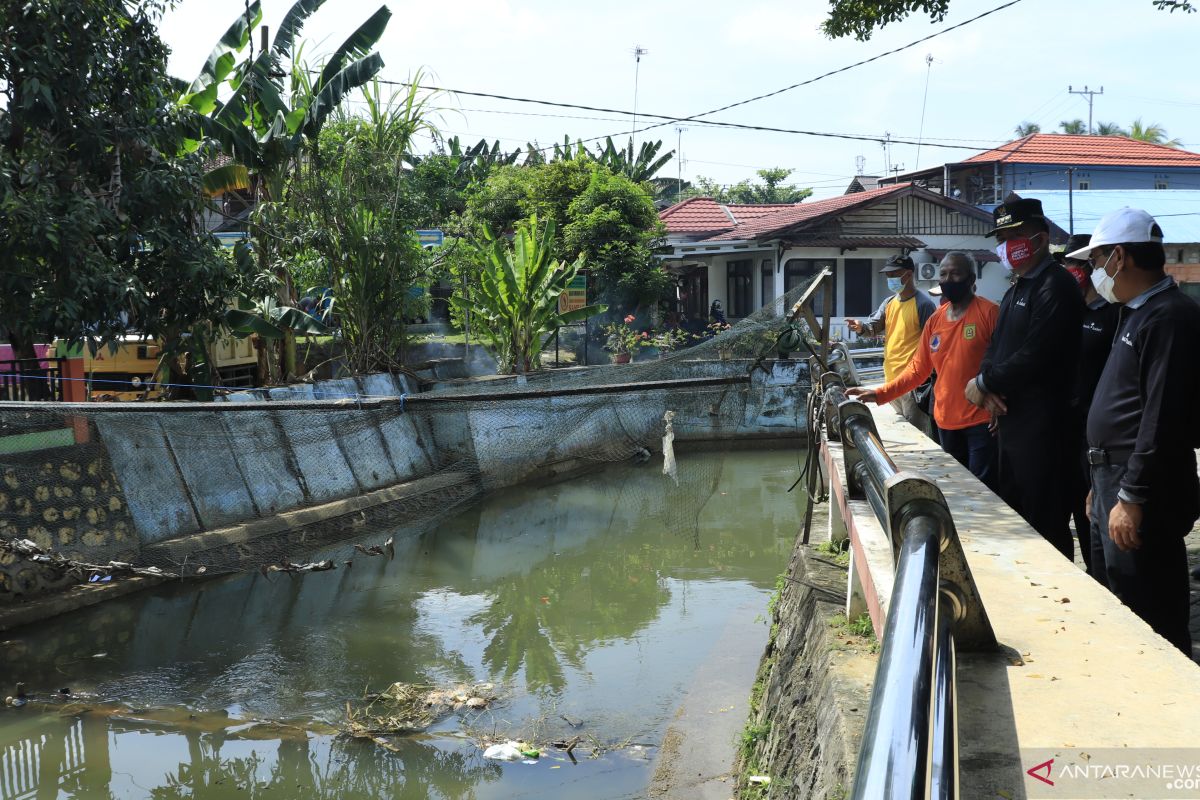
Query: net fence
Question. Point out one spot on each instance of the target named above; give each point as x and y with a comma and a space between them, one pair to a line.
93, 491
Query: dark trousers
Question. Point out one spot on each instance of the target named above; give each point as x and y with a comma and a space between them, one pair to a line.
1152, 580
1080, 483
1033, 473
975, 449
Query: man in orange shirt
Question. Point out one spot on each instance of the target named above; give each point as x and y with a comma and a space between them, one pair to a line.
953, 342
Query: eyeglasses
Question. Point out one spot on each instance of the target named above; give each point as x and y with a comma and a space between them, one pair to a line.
1100, 264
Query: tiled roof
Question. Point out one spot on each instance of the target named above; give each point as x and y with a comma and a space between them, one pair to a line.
1061, 148
696, 215
788, 216
910, 242
705, 215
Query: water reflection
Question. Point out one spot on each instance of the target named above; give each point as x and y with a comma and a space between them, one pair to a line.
596, 597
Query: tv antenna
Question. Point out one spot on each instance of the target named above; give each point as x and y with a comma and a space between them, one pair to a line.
638, 51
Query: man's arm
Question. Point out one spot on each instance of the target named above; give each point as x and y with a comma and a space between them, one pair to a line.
1049, 344
877, 322
916, 373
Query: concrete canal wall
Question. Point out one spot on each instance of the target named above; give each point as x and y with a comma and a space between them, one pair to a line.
146, 478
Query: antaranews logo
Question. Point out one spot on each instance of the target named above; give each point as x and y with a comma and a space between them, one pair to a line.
1109, 772
1042, 772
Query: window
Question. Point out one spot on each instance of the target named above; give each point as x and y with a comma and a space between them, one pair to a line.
767, 281
799, 271
741, 288
860, 278
1085, 185
1160, 183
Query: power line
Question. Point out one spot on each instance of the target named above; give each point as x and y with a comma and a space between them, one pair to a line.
696, 117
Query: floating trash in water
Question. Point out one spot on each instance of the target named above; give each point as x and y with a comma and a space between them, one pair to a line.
410, 707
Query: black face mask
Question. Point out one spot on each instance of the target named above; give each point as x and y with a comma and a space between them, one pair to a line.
955, 291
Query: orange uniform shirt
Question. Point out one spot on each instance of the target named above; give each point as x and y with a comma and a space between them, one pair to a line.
955, 349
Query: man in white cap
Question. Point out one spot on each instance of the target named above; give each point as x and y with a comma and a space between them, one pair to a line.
1142, 426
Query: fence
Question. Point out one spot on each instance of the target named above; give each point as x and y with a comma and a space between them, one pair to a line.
31, 379
910, 744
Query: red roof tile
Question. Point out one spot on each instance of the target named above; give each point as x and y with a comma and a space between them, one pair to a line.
1061, 148
705, 215
696, 215
788, 216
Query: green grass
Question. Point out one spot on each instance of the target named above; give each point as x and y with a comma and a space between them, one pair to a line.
857, 633
838, 552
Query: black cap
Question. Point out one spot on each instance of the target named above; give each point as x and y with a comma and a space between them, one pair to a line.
898, 262
1077, 242
1015, 213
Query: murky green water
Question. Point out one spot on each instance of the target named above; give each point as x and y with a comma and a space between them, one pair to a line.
590, 603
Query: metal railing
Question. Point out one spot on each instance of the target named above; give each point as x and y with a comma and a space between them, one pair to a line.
31, 379
910, 744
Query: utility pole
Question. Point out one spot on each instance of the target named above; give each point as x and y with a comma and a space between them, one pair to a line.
1071, 200
924, 102
1091, 95
887, 152
638, 51
679, 129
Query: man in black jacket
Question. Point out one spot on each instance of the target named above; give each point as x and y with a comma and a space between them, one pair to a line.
1027, 377
1099, 329
1142, 426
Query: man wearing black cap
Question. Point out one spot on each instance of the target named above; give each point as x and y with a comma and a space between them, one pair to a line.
901, 318
1027, 378
1098, 330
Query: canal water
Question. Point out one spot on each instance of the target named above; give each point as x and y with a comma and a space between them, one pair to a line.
589, 603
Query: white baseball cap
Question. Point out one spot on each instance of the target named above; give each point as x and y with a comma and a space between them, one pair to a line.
1123, 226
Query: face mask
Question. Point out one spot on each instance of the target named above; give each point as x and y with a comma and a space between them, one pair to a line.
895, 284
955, 291
1016, 253
1080, 276
1103, 281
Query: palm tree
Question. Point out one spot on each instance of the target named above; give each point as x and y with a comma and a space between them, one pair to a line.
1152, 133
1075, 126
1110, 129
1027, 129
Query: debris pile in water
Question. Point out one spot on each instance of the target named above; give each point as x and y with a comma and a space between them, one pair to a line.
410, 708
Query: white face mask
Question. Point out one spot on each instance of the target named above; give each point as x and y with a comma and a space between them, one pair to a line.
895, 284
1103, 282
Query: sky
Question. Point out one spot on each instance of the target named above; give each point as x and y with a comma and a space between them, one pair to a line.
985, 78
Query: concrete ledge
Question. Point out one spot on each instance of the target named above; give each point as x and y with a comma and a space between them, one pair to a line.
291, 521
70, 599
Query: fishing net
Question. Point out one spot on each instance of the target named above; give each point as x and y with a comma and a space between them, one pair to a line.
268, 479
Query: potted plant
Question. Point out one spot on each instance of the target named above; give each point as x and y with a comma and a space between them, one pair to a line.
622, 340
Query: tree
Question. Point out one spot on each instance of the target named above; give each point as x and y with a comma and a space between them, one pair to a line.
861, 18
1110, 129
99, 209
263, 127
614, 226
1027, 129
516, 301
639, 168
770, 190
1152, 133
349, 216
1073, 126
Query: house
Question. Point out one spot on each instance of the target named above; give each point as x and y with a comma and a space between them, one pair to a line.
748, 255
861, 183
1177, 211
1053, 161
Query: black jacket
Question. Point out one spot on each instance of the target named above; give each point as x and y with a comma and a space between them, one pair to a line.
1144, 406
1031, 359
1099, 329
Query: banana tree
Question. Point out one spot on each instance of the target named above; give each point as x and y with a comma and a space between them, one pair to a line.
268, 322
515, 304
263, 126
